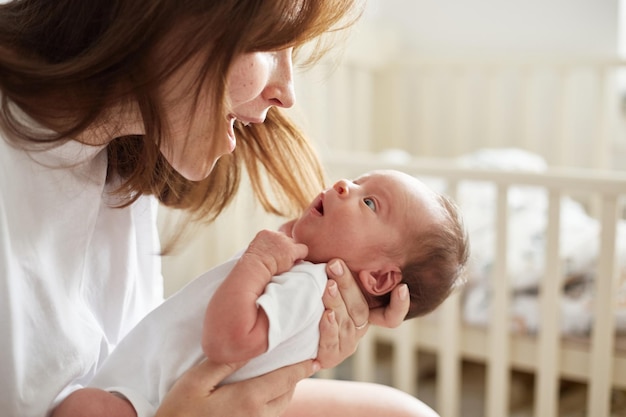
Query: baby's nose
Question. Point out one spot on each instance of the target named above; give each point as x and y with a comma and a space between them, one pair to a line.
342, 188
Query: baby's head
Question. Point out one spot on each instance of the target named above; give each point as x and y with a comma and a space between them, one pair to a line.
389, 228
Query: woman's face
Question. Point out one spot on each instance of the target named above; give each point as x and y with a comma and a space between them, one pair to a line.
255, 82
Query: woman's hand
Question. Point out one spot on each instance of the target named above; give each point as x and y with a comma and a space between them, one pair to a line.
196, 393
393, 314
347, 315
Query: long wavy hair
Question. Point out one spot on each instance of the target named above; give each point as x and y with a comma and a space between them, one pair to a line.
66, 62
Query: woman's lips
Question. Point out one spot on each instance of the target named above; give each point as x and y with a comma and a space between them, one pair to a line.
232, 140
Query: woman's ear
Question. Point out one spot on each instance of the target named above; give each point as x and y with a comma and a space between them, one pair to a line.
380, 282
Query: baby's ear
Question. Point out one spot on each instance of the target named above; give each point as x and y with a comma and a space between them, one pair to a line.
380, 282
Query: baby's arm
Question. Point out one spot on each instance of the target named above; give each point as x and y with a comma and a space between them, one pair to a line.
235, 329
91, 402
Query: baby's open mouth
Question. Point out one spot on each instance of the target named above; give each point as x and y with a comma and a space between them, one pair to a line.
319, 205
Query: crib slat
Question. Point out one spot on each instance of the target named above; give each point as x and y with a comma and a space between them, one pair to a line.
461, 112
491, 108
498, 383
394, 126
365, 358
604, 315
449, 357
560, 146
424, 113
404, 361
340, 96
311, 109
606, 118
361, 108
525, 110
547, 380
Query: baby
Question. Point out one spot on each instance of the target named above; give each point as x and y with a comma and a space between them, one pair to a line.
265, 305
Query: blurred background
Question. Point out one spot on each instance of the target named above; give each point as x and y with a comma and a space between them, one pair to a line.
533, 28
539, 84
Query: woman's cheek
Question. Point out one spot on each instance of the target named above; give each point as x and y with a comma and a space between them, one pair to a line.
248, 78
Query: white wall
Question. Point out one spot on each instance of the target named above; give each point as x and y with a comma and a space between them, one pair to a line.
586, 28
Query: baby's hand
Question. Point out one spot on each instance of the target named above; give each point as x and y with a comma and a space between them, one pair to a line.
275, 251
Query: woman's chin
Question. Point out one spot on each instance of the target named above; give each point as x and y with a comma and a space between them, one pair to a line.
193, 169
197, 172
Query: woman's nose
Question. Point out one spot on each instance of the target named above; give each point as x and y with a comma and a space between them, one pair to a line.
280, 90
342, 188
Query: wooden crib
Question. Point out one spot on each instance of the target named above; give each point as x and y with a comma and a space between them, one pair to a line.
569, 113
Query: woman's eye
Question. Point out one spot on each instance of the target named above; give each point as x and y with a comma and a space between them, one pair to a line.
370, 203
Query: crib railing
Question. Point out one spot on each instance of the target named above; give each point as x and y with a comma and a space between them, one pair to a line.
570, 112
547, 355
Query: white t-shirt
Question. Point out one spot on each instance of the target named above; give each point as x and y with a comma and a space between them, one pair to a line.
168, 341
75, 274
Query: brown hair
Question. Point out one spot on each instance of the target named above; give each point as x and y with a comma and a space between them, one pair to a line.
436, 262
65, 62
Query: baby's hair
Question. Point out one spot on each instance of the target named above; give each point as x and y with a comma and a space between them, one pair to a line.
436, 261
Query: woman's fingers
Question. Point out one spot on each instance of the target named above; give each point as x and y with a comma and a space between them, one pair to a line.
193, 393
345, 319
393, 314
196, 393
328, 352
205, 376
282, 381
350, 304
269, 395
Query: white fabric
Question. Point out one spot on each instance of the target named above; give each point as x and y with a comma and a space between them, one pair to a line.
75, 273
168, 341
579, 241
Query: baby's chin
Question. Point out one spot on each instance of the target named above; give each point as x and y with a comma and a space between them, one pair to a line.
314, 255
318, 257
298, 234
316, 260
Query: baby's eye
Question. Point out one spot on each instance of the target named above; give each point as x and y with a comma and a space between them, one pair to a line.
369, 202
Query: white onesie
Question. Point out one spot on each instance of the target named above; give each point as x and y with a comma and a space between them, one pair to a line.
167, 342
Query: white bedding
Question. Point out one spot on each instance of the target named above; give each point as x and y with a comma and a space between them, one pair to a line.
527, 225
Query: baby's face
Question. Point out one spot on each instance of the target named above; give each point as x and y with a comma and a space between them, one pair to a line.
364, 220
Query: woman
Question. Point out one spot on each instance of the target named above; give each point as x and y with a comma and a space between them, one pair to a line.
107, 104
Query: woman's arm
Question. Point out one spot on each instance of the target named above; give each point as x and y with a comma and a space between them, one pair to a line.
243, 335
195, 393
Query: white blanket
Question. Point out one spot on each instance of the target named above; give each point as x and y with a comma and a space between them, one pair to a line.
579, 242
